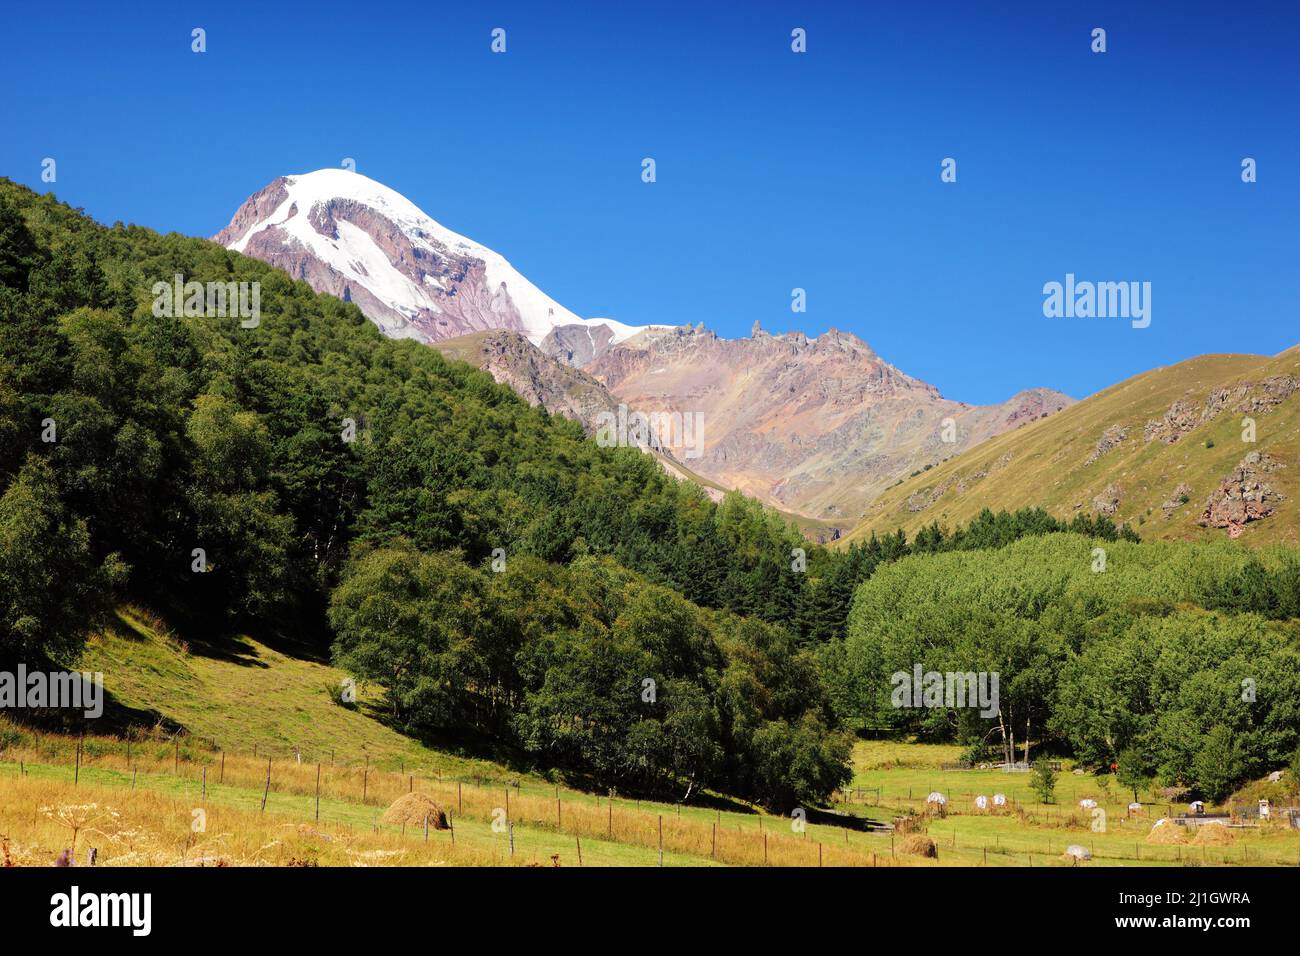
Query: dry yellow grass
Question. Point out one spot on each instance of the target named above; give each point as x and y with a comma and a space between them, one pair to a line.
39, 819
231, 777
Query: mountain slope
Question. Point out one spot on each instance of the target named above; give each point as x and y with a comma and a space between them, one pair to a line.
539, 379
354, 238
1162, 451
814, 426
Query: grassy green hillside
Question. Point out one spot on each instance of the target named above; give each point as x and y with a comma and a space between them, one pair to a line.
1047, 462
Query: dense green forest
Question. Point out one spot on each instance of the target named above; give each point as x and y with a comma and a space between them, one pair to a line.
501, 574
507, 580
1181, 661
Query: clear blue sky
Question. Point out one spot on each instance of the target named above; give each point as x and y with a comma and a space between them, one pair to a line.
775, 170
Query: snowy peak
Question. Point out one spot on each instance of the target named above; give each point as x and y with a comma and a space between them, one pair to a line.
350, 236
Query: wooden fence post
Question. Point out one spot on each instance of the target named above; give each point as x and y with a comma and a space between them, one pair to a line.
317, 793
267, 789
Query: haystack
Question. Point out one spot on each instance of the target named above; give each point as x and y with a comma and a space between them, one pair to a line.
412, 810
918, 844
1166, 832
912, 823
1213, 834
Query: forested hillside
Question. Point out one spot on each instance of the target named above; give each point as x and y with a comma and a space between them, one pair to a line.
479, 553
1178, 662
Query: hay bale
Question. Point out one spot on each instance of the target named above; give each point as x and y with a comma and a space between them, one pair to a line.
413, 808
1076, 852
1166, 833
1213, 834
914, 823
918, 844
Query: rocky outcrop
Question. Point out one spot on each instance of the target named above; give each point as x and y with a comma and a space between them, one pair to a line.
1181, 496
577, 345
541, 380
1109, 440
1106, 504
1243, 496
1173, 425
1250, 397
1242, 398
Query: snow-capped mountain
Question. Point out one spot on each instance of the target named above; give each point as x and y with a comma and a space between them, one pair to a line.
349, 236
816, 427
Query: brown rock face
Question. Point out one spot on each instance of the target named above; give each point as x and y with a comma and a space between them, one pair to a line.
256, 208
1242, 398
1180, 419
1106, 504
577, 345
1248, 397
815, 426
1243, 496
541, 380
